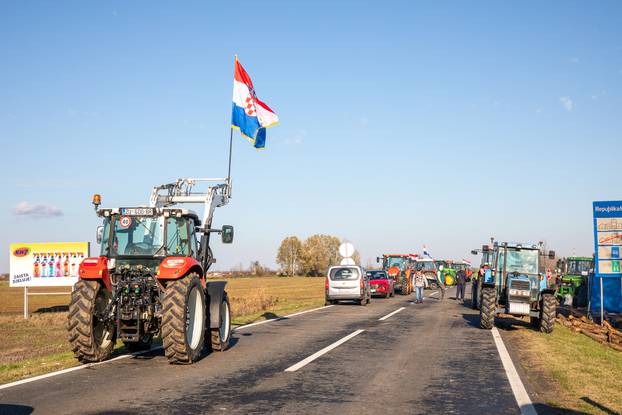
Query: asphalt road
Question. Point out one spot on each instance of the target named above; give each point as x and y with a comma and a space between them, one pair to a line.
428, 358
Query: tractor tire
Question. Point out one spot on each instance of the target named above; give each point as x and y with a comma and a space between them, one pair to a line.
143, 344
487, 308
183, 320
474, 296
221, 336
91, 339
548, 308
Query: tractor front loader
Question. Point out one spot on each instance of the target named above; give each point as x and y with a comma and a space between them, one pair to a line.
150, 278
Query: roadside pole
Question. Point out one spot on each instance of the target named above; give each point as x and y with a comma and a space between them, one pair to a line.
602, 301
25, 303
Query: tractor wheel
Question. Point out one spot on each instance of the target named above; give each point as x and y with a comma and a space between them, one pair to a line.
474, 296
183, 319
548, 307
92, 340
487, 308
222, 335
143, 344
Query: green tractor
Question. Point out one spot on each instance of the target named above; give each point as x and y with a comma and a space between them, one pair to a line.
573, 273
446, 271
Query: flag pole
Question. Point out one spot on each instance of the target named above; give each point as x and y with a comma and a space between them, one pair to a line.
231, 136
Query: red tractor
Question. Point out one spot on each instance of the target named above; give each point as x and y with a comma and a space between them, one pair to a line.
400, 268
149, 278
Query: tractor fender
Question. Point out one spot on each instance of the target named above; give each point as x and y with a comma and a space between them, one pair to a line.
95, 269
215, 291
175, 267
487, 285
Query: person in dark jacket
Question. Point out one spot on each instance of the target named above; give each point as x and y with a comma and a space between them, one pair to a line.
460, 284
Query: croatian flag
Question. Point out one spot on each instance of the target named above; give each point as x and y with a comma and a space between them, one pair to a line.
426, 252
250, 115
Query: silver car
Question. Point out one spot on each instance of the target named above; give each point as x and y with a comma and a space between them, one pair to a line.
347, 282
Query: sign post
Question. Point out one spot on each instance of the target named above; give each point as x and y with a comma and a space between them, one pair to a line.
45, 265
607, 244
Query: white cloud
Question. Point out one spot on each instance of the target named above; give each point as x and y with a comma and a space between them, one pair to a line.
599, 94
567, 103
36, 211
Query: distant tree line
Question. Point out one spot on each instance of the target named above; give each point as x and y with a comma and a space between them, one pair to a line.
312, 257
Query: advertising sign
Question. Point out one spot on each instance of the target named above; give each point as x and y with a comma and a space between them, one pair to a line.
51, 264
608, 238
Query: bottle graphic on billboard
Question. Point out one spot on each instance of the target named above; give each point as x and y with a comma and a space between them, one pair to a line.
36, 268
50, 265
44, 266
66, 265
58, 266
74, 265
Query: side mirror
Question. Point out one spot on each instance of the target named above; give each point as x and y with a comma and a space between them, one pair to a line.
485, 248
551, 254
99, 235
474, 252
227, 234
378, 259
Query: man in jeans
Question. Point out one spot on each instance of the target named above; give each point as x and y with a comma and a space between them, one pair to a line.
419, 284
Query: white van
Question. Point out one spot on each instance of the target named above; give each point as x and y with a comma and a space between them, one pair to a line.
347, 282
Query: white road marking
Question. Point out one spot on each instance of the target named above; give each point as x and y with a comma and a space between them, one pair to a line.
72, 369
390, 314
520, 393
325, 350
124, 356
433, 294
280, 318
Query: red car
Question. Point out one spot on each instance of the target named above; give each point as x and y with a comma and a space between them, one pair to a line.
380, 284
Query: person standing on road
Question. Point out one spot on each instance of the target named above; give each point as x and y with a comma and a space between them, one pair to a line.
460, 284
440, 283
419, 284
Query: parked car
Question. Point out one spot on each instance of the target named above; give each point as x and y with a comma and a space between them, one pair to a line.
347, 282
380, 284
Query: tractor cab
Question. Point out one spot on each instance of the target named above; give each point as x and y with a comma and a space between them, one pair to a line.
573, 273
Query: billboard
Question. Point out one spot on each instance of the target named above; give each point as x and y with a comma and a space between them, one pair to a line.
608, 238
51, 264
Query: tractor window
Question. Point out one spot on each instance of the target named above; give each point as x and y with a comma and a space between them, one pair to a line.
193, 241
105, 237
135, 235
524, 261
579, 267
395, 262
177, 239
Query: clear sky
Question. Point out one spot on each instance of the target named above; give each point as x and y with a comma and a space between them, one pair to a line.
402, 123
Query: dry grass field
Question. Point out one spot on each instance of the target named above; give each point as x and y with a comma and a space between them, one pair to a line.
39, 344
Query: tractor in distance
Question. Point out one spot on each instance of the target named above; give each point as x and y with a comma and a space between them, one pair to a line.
515, 285
477, 278
427, 266
573, 273
400, 268
150, 278
447, 272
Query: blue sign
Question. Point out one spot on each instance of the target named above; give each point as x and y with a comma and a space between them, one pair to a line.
607, 238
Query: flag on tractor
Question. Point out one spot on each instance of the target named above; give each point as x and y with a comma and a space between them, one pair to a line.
250, 115
426, 252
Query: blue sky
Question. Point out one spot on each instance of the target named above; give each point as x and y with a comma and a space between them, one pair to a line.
402, 123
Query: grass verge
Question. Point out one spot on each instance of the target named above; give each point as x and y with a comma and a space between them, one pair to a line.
569, 370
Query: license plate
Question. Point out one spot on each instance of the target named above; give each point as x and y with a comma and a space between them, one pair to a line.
137, 211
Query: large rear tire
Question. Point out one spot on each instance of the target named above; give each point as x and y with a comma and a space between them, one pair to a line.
92, 339
474, 295
487, 308
221, 336
548, 307
183, 320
